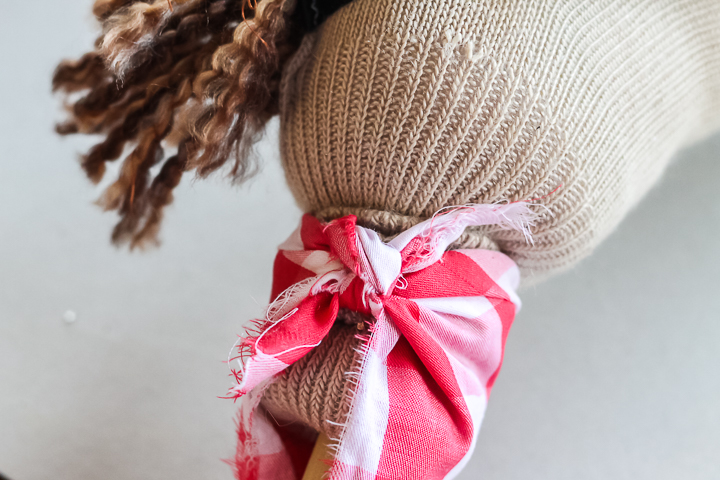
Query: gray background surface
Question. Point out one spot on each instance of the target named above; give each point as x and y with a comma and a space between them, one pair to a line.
611, 372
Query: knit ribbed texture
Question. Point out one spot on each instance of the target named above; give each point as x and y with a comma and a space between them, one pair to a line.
315, 389
405, 107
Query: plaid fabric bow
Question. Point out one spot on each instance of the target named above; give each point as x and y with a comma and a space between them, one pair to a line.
427, 366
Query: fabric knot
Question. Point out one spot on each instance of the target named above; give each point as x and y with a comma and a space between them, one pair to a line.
433, 351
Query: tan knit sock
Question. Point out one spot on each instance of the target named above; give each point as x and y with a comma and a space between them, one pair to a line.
405, 107
314, 389
396, 108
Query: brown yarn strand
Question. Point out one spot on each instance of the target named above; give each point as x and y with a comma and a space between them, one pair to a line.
104, 8
197, 76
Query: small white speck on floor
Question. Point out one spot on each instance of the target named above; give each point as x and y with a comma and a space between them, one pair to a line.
69, 316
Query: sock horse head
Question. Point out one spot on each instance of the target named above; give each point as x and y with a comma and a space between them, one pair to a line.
444, 153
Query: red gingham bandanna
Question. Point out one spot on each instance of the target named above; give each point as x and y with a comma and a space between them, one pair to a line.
440, 323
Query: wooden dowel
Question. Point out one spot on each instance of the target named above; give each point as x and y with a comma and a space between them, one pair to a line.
319, 462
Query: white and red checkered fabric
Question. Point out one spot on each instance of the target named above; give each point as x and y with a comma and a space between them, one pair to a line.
427, 366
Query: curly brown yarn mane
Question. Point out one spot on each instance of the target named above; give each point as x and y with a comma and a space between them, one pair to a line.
198, 78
